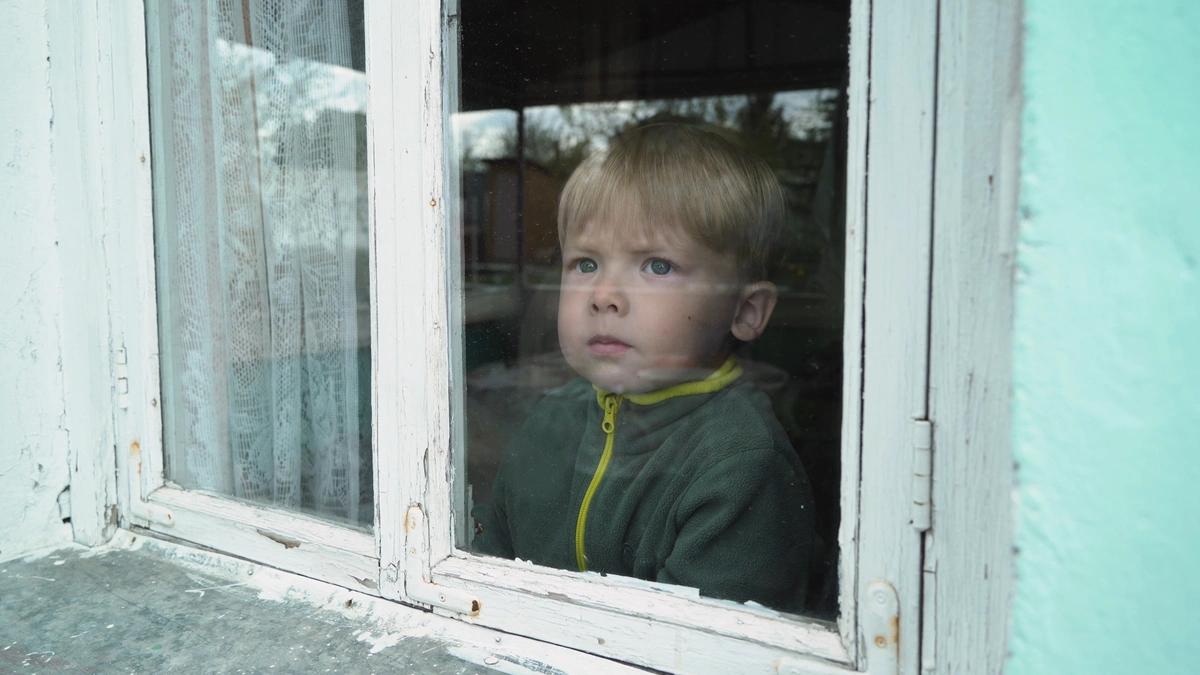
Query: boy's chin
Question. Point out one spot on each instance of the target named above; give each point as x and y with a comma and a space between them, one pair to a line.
608, 376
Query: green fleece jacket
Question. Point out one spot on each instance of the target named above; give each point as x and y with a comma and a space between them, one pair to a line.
694, 485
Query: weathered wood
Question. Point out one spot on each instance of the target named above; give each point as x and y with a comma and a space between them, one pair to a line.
898, 223
852, 331
409, 318
282, 539
92, 155
970, 576
653, 628
515, 593
391, 110
131, 264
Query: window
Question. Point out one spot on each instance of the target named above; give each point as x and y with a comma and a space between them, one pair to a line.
438, 283
255, 428
565, 83
435, 272
262, 253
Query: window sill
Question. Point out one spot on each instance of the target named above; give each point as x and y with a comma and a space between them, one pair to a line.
145, 605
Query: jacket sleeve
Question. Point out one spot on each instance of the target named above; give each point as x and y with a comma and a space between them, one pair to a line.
744, 531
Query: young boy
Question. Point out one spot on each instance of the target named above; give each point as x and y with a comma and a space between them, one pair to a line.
660, 461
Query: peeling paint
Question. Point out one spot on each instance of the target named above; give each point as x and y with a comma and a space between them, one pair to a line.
287, 542
384, 624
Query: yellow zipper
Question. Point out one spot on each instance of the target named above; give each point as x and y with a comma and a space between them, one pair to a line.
609, 425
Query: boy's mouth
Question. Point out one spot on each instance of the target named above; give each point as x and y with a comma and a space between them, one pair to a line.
606, 345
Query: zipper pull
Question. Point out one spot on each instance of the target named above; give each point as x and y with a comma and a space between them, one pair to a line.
611, 403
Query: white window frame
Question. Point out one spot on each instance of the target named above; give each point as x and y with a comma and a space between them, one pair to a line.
958, 134
889, 281
146, 499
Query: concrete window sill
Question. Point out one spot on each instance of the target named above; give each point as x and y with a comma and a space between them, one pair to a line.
148, 606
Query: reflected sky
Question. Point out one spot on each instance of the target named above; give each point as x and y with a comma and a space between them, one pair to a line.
485, 134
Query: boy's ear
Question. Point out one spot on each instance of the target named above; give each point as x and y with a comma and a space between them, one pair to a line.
755, 304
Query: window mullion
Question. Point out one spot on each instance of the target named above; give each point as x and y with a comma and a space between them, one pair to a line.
436, 232
409, 324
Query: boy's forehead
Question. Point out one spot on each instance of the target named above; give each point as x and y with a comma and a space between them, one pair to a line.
628, 234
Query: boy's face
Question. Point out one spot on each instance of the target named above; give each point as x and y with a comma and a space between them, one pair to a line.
640, 311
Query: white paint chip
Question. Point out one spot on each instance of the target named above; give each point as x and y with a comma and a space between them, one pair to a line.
380, 642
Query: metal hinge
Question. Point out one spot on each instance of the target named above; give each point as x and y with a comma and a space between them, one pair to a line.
881, 633
121, 375
417, 584
922, 475
881, 625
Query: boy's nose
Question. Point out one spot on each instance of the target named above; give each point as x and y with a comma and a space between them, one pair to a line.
608, 298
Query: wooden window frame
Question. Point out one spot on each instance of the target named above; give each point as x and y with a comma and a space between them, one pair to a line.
933, 162
146, 499
411, 71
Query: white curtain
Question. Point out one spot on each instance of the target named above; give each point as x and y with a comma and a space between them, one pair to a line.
258, 217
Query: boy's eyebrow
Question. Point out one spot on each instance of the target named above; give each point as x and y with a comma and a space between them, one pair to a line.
649, 249
641, 251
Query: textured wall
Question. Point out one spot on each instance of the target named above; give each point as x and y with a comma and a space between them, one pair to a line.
33, 441
1107, 340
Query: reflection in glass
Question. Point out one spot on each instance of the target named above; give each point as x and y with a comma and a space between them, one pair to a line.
258, 115
545, 87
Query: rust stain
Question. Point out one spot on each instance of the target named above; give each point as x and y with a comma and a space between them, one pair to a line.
895, 624
287, 542
409, 525
135, 448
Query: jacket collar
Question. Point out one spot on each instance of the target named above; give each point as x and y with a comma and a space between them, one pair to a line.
716, 381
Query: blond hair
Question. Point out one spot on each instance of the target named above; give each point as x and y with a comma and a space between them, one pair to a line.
682, 175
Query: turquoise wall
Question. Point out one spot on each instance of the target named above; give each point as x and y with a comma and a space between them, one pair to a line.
1107, 340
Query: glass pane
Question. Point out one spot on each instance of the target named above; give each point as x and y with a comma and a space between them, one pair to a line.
258, 111
653, 238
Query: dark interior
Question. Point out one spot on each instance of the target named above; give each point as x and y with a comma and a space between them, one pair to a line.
517, 53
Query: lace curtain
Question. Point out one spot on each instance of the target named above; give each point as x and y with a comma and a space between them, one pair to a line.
259, 223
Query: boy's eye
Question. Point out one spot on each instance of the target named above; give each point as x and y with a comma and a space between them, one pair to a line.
586, 265
658, 266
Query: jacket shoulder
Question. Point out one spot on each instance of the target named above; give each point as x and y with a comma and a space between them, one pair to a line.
740, 418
